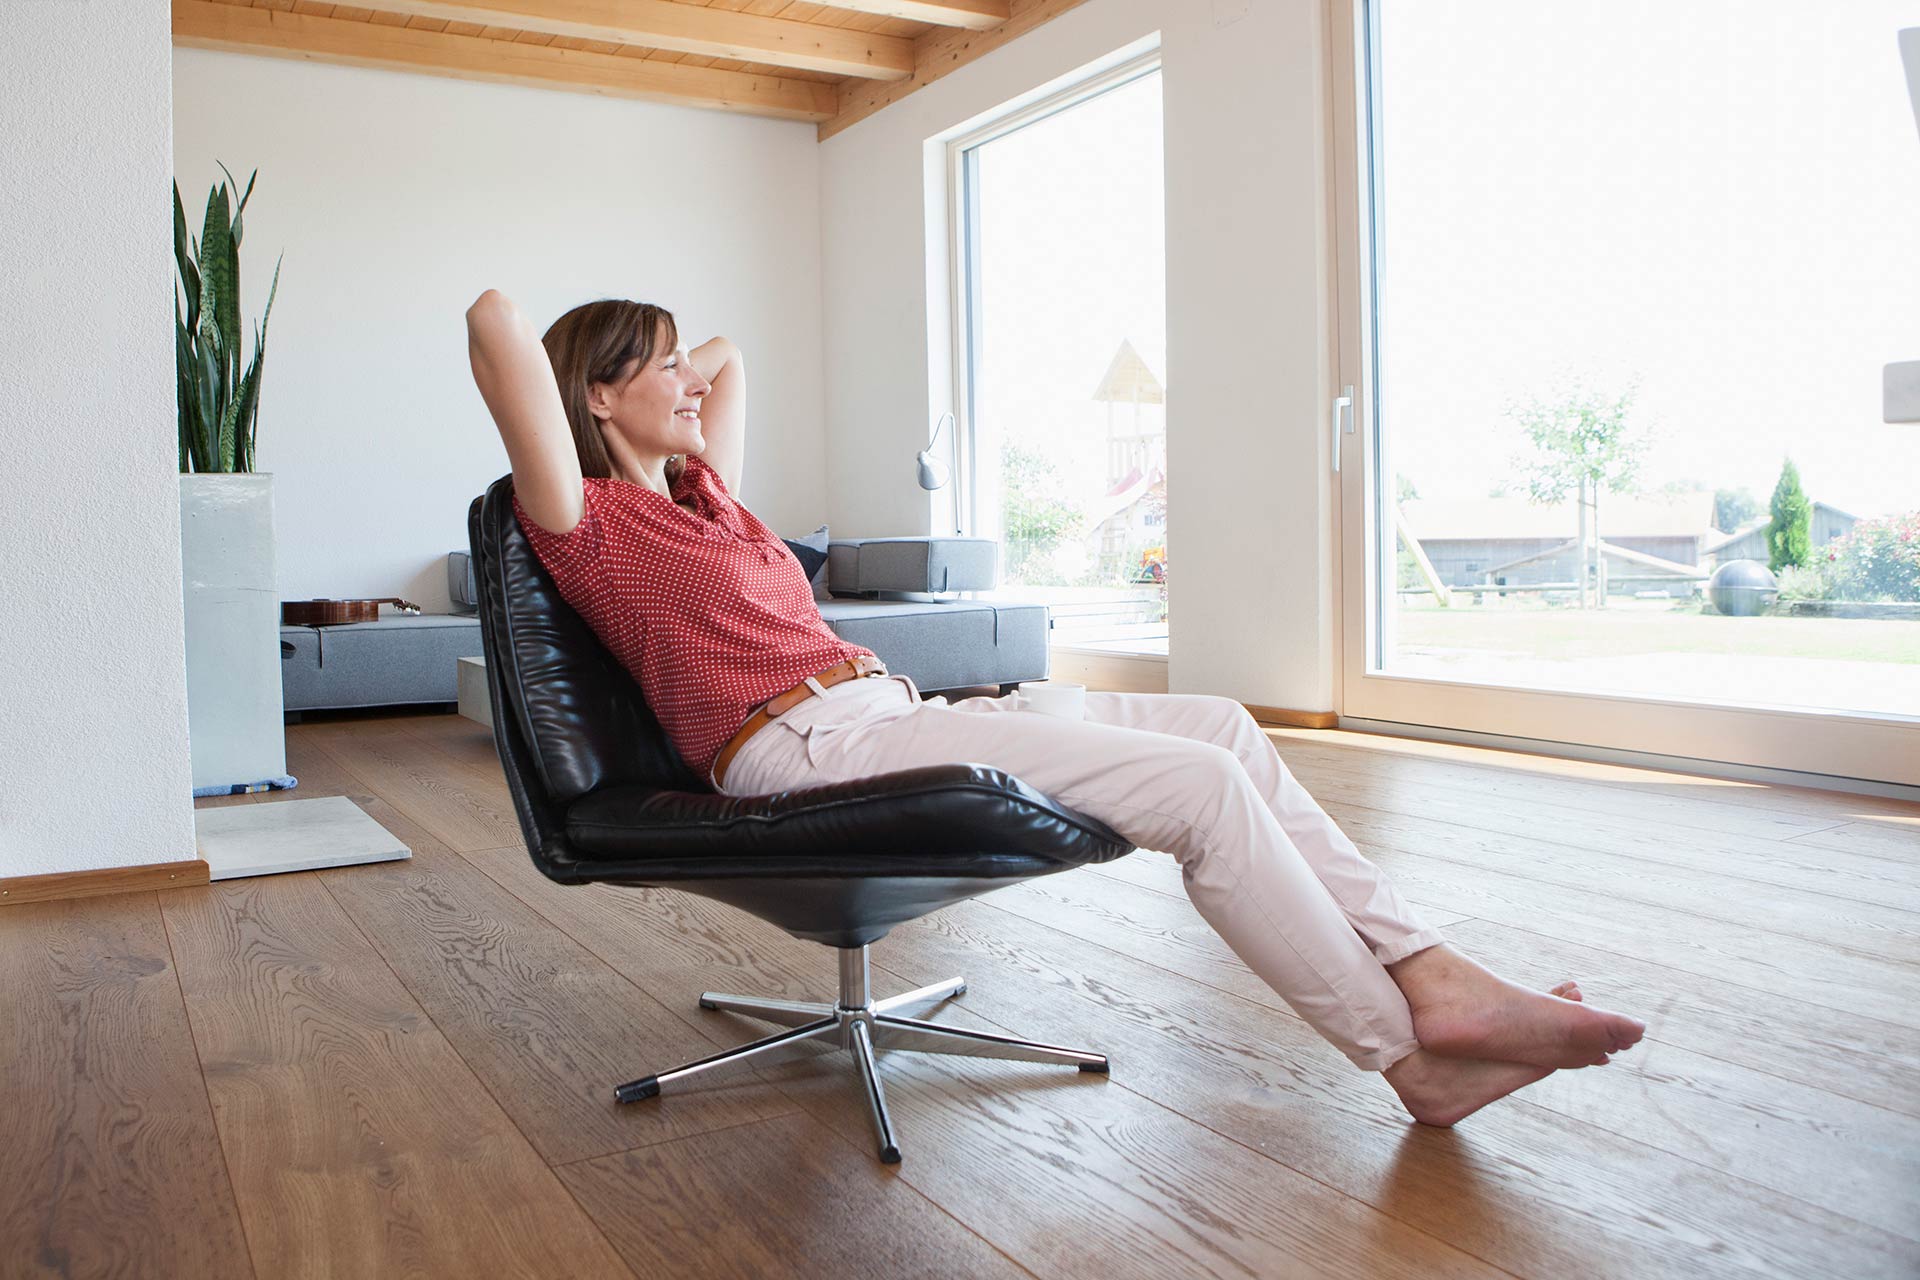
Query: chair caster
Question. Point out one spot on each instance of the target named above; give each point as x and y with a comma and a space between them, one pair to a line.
638, 1090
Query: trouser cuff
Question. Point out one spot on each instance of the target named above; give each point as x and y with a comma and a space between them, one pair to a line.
1381, 1059
1392, 952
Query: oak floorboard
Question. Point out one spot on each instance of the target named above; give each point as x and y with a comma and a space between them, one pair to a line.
319, 770
1492, 787
109, 1161
1694, 1154
458, 738
782, 1197
1521, 1186
1298, 1086
1897, 842
1858, 1057
456, 808
1714, 795
357, 1140
1040, 1218
1867, 927
1843, 1053
1150, 927
1782, 1132
545, 1024
1763, 870
1073, 1175
674, 945
1767, 963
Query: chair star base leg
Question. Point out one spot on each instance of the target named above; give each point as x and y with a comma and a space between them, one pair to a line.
866, 1028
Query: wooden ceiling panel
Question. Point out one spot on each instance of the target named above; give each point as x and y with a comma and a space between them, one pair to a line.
208, 25
708, 31
833, 63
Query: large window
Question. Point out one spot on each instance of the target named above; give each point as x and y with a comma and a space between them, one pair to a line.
1062, 249
1634, 270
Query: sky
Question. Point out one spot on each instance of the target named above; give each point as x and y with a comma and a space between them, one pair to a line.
1717, 201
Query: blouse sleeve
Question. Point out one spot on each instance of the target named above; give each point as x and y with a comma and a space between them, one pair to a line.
576, 549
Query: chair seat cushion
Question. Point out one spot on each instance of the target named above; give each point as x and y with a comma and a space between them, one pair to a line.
941, 820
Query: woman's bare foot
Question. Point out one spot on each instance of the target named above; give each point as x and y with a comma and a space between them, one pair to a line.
1443, 1091
1463, 1010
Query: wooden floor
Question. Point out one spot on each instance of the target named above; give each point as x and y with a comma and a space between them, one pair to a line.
407, 1068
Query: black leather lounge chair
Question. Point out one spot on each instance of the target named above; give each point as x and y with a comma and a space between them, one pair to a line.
602, 795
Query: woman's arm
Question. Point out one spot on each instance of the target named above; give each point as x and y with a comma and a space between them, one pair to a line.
516, 380
723, 414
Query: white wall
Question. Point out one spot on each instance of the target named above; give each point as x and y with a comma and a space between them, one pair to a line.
1248, 248
399, 198
93, 692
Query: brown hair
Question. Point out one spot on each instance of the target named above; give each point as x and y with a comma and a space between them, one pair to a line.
594, 343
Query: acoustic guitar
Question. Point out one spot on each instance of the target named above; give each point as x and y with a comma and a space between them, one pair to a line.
331, 613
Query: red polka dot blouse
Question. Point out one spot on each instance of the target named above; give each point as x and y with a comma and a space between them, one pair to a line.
711, 612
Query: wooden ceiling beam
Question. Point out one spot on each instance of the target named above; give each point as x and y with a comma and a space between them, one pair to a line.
202, 24
683, 28
936, 54
974, 15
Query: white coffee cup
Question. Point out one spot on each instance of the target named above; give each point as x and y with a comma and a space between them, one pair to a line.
1055, 698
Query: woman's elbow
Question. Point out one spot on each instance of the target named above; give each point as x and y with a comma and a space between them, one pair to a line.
490, 308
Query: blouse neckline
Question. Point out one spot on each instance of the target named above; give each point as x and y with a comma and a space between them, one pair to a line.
713, 526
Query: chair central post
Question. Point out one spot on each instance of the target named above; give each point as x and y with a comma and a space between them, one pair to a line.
853, 979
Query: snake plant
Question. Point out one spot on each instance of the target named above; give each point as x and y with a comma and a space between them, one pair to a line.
219, 401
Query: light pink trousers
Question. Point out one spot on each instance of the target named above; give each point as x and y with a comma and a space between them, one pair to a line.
1187, 774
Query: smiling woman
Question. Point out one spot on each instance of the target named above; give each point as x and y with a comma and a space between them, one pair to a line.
716, 622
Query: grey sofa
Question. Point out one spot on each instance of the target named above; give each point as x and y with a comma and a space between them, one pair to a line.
883, 593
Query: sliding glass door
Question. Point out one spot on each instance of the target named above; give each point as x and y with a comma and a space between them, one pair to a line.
1617, 283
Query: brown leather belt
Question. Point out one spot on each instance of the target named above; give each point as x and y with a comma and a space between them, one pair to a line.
852, 669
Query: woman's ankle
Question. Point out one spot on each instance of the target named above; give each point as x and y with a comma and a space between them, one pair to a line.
1424, 972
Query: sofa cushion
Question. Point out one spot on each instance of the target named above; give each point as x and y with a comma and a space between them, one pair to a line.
912, 564
948, 644
810, 549
460, 582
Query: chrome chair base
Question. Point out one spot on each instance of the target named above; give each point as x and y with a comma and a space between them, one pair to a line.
862, 1026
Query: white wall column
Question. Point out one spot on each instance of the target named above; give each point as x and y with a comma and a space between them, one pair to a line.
94, 767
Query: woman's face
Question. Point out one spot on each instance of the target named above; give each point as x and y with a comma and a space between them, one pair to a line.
657, 409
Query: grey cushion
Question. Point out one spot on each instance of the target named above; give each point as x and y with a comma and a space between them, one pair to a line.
947, 644
460, 582
819, 541
913, 564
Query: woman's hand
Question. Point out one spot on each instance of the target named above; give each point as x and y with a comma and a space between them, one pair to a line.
711, 356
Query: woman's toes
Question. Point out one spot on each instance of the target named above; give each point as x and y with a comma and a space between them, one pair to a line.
1568, 990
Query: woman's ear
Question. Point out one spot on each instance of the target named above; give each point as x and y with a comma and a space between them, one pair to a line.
597, 403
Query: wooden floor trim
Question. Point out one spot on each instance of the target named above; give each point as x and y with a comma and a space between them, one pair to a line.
1294, 719
15, 890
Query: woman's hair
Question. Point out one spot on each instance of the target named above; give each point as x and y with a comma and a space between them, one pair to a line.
594, 343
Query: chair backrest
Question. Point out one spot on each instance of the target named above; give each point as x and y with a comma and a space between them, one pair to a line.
578, 712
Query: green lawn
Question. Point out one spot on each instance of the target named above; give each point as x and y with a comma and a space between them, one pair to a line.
1622, 630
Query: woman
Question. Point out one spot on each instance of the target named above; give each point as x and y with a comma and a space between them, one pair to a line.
626, 450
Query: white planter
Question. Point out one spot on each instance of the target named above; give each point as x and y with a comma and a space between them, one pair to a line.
232, 599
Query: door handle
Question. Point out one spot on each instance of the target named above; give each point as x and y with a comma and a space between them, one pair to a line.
1342, 417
